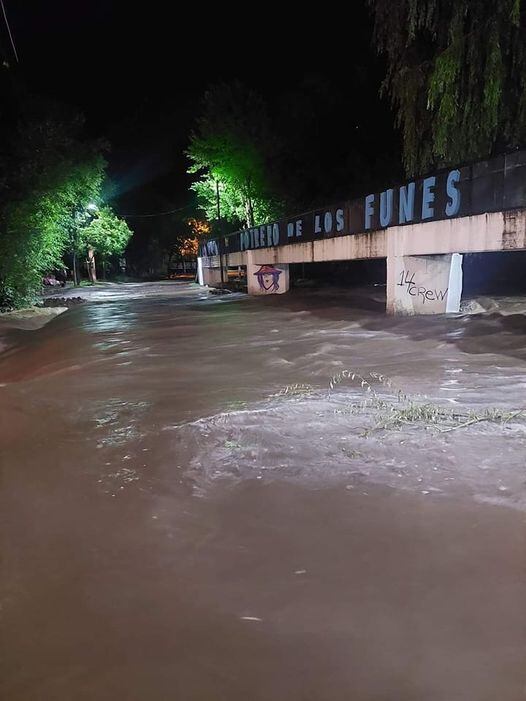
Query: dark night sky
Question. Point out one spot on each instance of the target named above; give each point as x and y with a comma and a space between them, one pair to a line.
138, 71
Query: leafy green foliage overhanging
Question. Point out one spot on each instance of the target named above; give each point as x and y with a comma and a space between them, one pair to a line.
50, 178
229, 151
106, 234
456, 76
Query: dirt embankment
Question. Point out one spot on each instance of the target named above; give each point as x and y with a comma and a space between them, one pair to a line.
30, 318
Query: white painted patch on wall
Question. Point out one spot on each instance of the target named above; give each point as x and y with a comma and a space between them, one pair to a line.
455, 284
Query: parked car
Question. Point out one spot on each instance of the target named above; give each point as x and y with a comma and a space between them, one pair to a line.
57, 279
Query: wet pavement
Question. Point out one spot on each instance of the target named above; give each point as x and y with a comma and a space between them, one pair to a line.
190, 511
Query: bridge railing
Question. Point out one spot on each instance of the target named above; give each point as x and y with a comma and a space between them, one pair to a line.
497, 184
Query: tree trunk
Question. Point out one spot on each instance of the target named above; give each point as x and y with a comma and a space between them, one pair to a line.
249, 213
92, 270
249, 205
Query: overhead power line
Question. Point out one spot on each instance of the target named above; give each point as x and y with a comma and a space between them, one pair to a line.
9, 31
157, 214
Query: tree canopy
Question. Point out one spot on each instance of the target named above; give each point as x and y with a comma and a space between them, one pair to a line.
313, 143
106, 234
51, 175
229, 151
456, 76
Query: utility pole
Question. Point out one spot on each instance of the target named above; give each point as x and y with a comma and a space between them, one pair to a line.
219, 238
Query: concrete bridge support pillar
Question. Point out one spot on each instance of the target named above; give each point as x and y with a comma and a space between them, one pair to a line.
209, 272
200, 273
266, 279
424, 284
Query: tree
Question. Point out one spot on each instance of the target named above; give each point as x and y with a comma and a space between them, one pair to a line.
180, 242
229, 150
456, 76
188, 245
51, 177
105, 235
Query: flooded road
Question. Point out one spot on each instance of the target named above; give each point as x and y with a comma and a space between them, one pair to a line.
290, 499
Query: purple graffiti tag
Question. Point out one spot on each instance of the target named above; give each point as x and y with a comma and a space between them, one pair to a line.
268, 278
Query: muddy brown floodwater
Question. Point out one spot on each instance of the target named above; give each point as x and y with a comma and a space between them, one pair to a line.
189, 513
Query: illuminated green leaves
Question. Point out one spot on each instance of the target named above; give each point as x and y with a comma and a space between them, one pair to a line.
456, 75
52, 178
106, 234
229, 151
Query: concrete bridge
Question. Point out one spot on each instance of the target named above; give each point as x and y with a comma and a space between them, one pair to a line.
421, 228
